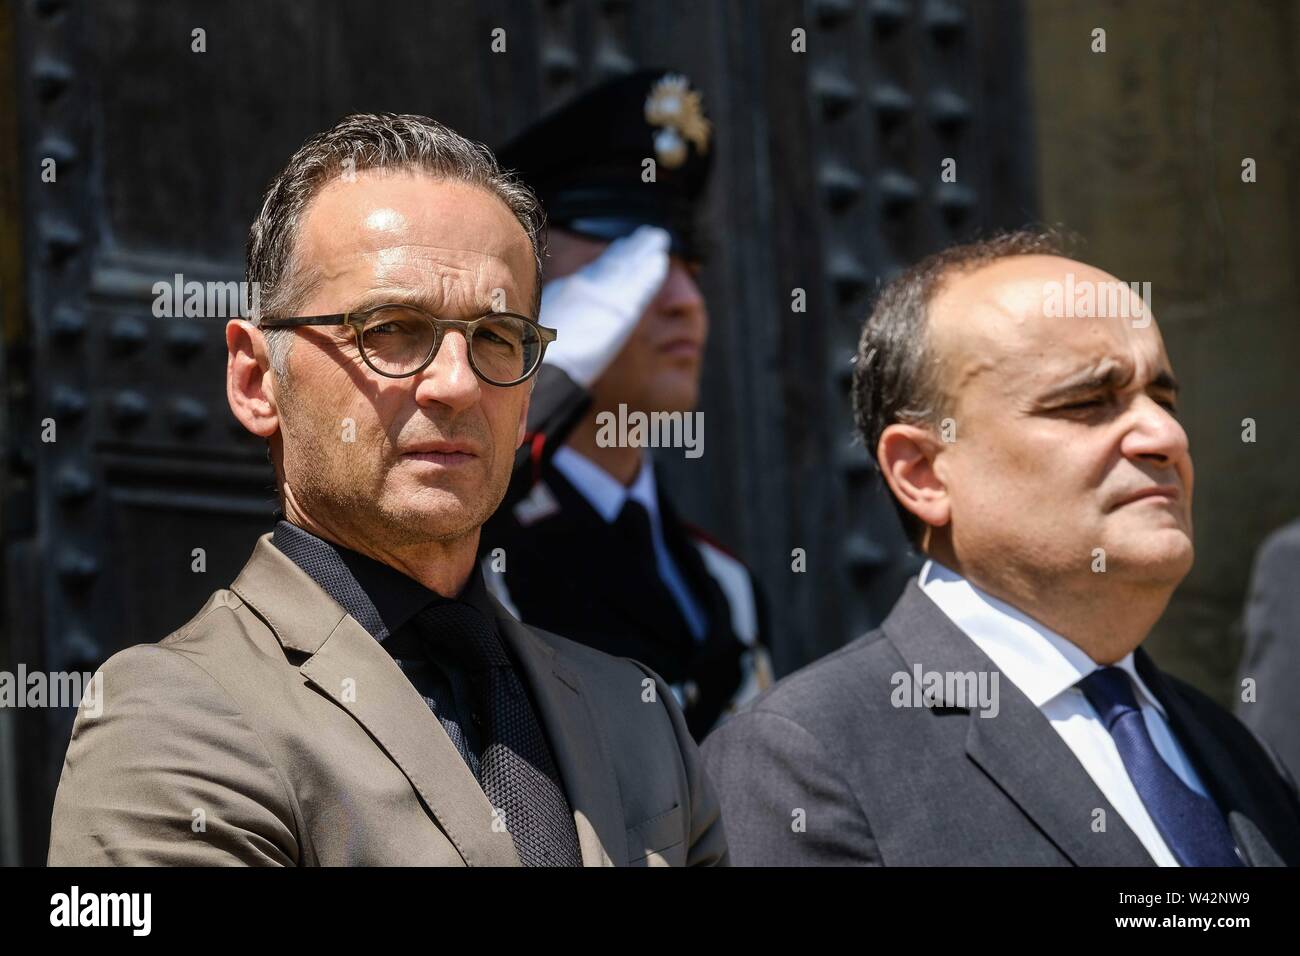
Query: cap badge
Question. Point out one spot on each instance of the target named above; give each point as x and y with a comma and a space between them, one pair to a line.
677, 111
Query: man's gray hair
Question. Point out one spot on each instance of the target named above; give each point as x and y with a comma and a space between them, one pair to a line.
896, 372
359, 142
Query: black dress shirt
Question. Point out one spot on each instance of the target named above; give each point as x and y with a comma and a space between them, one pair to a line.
385, 601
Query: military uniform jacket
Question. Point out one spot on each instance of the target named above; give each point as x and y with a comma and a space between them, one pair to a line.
569, 571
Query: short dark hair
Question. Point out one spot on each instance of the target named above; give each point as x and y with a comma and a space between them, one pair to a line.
360, 141
895, 371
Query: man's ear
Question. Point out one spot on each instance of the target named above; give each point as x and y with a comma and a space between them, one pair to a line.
907, 455
250, 384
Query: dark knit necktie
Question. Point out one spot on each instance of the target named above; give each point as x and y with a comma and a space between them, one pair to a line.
517, 771
1190, 824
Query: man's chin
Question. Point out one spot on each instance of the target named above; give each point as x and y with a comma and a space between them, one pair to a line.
426, 527
437, 514
1163, 555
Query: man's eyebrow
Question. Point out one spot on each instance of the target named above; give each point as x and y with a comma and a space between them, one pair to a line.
1165, 380
1112, 376
1090, 379
430, 302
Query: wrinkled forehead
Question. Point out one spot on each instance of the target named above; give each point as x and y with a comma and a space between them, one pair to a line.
1033, 319
453, 244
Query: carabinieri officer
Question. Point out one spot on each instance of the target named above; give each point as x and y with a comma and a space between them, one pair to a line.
588, 543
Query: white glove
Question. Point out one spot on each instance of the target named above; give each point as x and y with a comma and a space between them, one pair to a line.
596, 308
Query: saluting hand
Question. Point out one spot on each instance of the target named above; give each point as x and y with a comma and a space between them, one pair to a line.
596, 308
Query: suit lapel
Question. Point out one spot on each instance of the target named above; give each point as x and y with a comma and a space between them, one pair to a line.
1032, 765
352, 669
1218, 770
1018, 749
579, 749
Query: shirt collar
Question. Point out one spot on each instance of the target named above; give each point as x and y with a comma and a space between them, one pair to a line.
380, 598
644, 490
1040, 662
605, 493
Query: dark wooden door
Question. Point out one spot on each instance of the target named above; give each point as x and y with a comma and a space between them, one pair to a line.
827, 178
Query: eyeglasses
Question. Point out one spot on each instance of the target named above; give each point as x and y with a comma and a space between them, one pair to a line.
398, 341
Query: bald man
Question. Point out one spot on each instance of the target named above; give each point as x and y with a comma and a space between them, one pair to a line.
1023, 412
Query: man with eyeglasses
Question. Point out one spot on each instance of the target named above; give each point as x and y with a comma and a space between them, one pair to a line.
589, 543
356, 696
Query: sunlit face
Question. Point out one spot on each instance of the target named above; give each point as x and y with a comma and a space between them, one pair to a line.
426, 457
659, 367
1067, 439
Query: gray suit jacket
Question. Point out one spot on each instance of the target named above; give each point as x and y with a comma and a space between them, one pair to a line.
1272, 652
823, 769
273, 729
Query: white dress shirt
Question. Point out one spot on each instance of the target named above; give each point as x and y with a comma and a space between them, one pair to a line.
606, 494
1046, 667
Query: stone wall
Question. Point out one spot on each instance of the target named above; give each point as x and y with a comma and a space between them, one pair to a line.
1140, 151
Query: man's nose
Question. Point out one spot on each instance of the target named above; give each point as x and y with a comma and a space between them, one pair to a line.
1156, 435
449, 379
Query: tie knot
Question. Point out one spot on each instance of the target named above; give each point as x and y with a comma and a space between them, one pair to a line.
1110, 692
633, 514
632, 526
462, 633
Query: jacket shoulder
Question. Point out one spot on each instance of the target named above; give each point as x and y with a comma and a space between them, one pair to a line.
181, 659
221, 651
208, 621
829, 689
212, 619
1276, 562
163, 714
1284, 543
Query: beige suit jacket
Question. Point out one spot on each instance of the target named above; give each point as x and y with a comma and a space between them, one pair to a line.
273, 729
